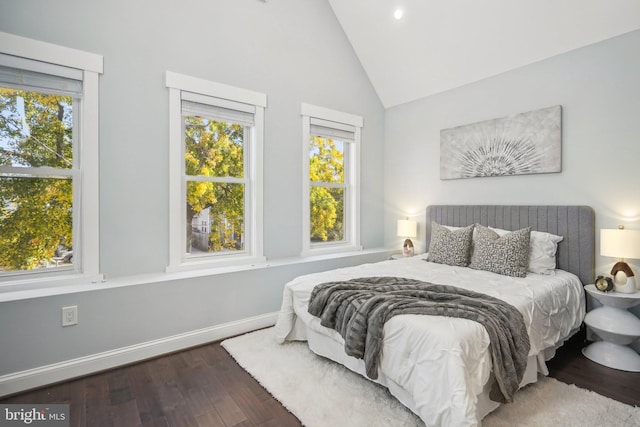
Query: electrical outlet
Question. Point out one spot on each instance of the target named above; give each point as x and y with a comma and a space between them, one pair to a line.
70, 315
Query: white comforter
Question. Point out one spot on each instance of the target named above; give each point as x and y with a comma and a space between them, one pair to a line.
442, 362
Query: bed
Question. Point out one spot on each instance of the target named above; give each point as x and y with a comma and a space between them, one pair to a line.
441, 367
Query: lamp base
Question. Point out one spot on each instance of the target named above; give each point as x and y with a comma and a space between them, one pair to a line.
407, 248
626, 287
623, 278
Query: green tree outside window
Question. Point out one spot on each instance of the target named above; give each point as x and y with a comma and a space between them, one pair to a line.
326, 198
36, 213
214, 149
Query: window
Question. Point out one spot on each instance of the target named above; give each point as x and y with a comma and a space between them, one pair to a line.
331, 185
48, 161
216, 136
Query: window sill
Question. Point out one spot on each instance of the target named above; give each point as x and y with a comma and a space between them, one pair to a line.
75, 284
331, 250
221, 265
47, 286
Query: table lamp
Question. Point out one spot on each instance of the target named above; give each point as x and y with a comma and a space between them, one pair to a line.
621, 244
407, 228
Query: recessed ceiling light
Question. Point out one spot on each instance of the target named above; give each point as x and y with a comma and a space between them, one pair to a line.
398, 14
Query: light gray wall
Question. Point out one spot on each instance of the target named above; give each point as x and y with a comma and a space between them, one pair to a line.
292, 50
598, 88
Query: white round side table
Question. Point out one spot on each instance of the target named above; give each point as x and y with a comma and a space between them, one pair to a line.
617, 327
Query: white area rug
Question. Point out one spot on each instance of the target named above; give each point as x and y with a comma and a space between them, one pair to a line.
321, 393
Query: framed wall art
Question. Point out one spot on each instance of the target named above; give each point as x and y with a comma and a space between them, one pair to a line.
525, 143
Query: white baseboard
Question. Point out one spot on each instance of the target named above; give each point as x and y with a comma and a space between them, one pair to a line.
62, 371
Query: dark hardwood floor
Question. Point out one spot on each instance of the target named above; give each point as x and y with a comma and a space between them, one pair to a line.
203, 386
571, 367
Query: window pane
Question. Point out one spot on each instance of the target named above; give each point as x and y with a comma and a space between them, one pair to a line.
213, 148
35, 129
326, 160
36, 223
215, 217
327, 214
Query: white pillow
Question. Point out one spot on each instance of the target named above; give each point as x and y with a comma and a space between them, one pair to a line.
542, 251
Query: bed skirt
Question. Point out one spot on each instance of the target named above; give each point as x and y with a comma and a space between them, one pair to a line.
326, 346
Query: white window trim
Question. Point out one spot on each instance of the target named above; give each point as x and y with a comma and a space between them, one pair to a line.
87, 226
178, 83
352, 208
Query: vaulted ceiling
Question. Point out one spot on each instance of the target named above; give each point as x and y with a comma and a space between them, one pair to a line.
438, 45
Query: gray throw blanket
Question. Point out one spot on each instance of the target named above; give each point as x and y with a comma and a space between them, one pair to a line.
358, 309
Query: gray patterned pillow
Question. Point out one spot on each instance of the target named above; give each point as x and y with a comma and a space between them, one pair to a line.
507, 254
452, 247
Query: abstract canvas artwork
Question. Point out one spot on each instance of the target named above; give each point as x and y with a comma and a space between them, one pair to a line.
525, 143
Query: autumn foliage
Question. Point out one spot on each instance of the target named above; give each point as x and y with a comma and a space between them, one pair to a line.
36, 211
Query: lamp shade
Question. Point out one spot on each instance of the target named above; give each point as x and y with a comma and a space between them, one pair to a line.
620, 243
407, 228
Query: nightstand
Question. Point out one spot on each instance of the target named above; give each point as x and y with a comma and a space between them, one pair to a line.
617, 327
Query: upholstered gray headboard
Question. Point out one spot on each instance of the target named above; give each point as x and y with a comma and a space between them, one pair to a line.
576, 252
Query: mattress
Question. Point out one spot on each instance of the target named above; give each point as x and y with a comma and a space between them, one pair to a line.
439, 366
